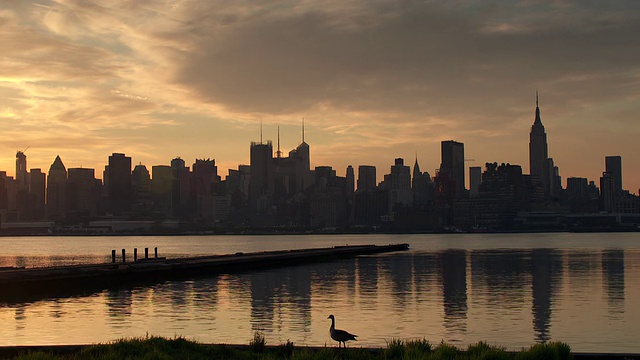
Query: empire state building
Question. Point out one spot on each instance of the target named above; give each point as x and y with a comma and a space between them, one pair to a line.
538, 151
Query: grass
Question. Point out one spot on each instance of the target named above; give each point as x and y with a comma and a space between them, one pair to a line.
158, 348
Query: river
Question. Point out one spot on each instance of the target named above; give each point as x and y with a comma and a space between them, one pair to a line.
510, 290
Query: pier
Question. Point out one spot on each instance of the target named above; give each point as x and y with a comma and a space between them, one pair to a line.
18, 284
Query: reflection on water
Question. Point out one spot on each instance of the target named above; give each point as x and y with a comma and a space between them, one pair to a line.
511, 297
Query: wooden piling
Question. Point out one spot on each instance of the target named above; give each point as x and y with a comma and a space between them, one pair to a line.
124, 255
135, 254
113, 256
146, 253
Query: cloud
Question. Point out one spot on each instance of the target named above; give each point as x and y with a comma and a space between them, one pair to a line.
366, 74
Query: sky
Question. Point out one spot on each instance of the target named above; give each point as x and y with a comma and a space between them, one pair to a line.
373, 81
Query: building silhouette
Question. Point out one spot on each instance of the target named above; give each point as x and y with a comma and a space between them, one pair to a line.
161, 195
141, 198
366, 178
613, 167
83, 193
261, 183
452, 166
475, 178
118, 183
538, 152
57, 190
398, 182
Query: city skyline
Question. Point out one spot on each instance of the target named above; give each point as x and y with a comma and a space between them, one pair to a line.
373, 82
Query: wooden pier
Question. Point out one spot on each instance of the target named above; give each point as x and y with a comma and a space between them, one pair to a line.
19, 284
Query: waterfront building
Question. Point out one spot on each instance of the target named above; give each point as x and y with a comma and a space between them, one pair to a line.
350, 175
57, 190
261, 183
118, 184
475, 178
141, 189
538, 152
452, 165
398, 182
82, 192
613, 167
37, 194
366, 178
181, 199
161, 189
21, 171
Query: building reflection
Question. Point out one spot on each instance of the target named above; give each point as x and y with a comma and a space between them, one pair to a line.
613, 279
454, 289
20, 316
205, 293
546, 275
119, 303
368, 281
336, 280
425, 270
501, 276
399, 268
281, 296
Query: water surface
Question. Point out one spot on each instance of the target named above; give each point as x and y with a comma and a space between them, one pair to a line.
507, 289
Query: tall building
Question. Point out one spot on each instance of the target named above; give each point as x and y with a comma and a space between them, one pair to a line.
366, 178
475, 178
350, 176
83, 193
21, 171
119, 184
613, 167
262, 175
57, 190
421, 185
538, 153
37, 193
453, 165
161, 185
180, 188
141, 189
607, 193
398, 182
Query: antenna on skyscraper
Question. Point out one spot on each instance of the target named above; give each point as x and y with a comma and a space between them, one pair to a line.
278, 153
302, 129
536, 97
260, 131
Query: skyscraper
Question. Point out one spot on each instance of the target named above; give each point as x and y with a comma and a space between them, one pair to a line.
57, 190
261, 181
350, 180
475, 178
366, 178
21, 171
613, 167
538, 153
398, 182
119, 183
453, 164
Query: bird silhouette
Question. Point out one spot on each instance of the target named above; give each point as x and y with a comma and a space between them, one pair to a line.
338, 335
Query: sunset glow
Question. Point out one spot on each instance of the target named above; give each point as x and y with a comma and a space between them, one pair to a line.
374, 81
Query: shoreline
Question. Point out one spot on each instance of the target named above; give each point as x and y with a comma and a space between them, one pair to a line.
289, 350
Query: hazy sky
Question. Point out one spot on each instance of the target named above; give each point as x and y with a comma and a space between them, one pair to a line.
374, 80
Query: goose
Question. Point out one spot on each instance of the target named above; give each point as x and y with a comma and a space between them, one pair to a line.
340, 336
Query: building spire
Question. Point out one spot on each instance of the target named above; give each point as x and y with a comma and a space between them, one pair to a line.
537, 120
278, 153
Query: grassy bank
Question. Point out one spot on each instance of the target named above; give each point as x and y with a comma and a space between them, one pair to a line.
180, 348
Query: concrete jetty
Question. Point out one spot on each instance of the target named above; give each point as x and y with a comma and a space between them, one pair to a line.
18, 284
